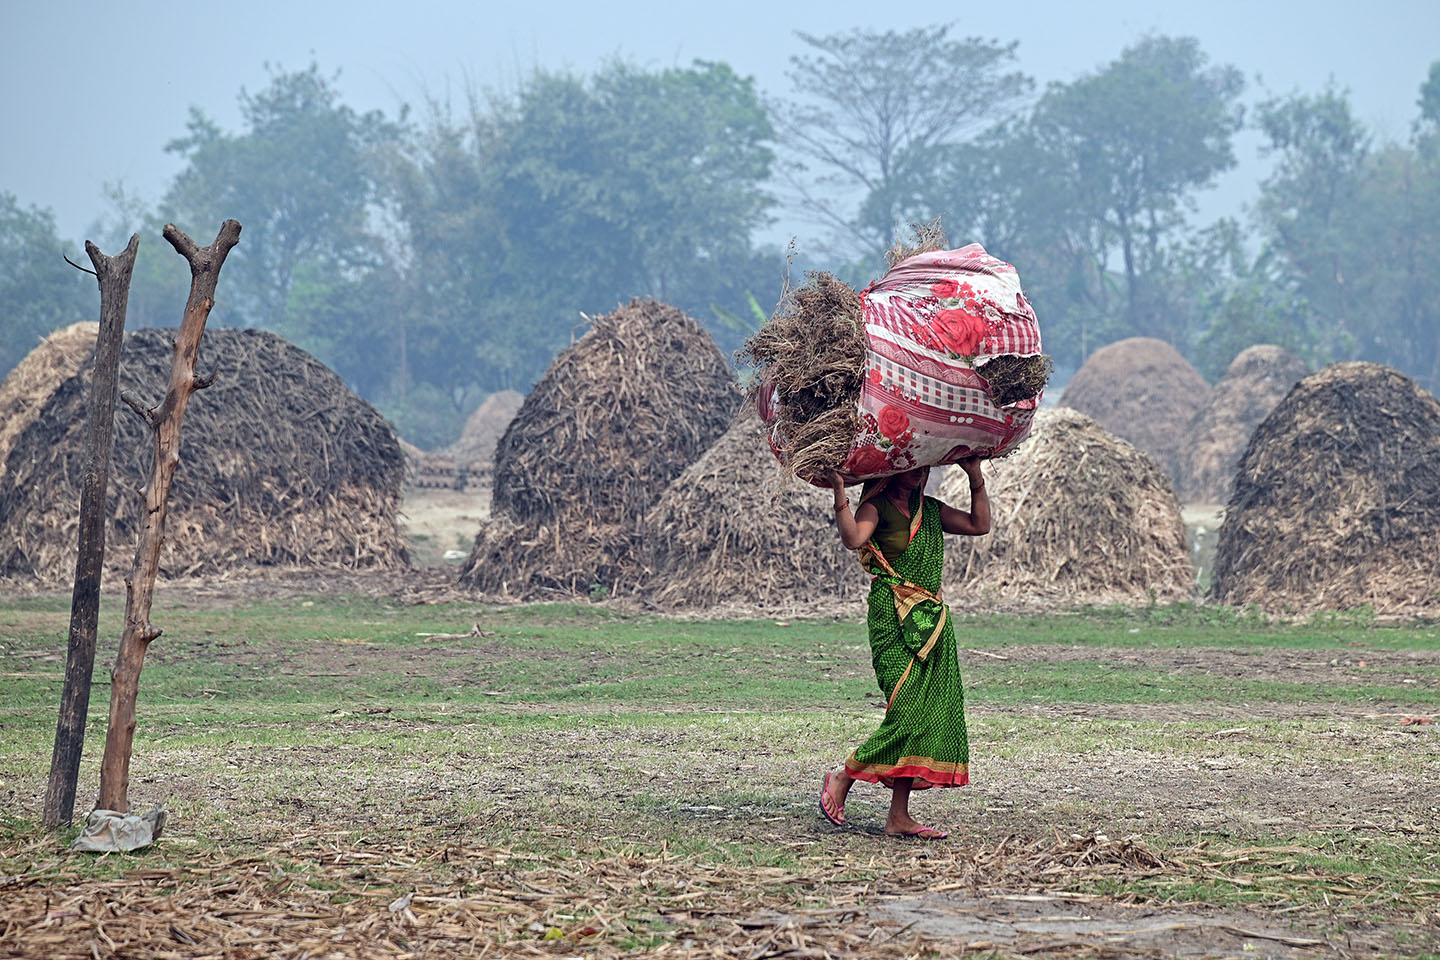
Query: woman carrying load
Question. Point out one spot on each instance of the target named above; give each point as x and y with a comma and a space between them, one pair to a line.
921, 743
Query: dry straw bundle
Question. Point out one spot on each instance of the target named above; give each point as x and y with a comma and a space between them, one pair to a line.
812, 352
281, 464
1256, 380
29, 386
1143, 391
1079, 516
616, 417
1337, 499
726, 533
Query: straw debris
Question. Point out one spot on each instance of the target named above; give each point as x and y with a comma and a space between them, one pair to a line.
1078, 516
730, 531
1142, 390
35, 379
1257, 379
616, 417
281, 464
1337, 499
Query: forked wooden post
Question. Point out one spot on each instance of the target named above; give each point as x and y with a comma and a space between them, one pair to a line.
113, 275
164, 421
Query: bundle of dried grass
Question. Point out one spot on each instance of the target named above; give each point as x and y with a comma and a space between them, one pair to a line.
1078, 516
1257, 379
812, 353
281, 464
1143, 391
26, 389
616, 417
726, 533
1337, 499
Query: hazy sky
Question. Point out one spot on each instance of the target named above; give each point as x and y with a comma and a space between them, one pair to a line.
94, 90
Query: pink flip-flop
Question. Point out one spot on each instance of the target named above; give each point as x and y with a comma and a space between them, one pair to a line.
941, 834
826, 813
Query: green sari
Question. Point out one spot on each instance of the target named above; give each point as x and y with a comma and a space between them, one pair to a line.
912, 645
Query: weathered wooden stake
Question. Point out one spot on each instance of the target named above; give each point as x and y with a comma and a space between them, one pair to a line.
113, 275
164, 421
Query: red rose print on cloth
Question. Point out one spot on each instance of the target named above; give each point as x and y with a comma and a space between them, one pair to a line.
874, 376
893, 422
945, 289
865, 461
960, 331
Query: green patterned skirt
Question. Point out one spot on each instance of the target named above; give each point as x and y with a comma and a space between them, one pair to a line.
912, 645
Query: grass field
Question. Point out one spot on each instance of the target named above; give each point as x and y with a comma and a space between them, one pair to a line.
580, 781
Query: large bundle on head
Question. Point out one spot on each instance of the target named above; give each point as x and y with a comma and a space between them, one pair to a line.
26, 389
1078, 516
616, 417
280, 463
485, 426
1255, 382
1337, 499
937, 361
1142, 390
725, 533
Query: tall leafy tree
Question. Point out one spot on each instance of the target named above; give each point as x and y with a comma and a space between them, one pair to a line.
1130, 146
1310, 206
39, 292
573, 195
304, 176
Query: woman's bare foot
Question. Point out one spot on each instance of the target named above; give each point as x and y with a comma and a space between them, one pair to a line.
832, 797
904, 825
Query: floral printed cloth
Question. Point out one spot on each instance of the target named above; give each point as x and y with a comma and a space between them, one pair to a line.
929, 323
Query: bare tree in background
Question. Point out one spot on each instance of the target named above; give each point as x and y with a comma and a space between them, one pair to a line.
873, 111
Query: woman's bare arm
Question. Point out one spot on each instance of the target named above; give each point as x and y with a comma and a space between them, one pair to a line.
857, 528
976, 522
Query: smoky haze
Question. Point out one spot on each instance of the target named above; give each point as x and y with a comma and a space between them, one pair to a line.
433, 197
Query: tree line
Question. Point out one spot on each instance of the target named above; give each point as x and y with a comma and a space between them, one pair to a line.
436, 255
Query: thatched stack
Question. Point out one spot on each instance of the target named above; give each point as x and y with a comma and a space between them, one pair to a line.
616, 417
26, 389
1337, 499
728, 532
1256, 380
280, 463
1142, 391
484, 428
1078, 516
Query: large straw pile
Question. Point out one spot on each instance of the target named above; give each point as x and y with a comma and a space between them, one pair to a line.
1337, 499
484, 428
1142, 391
617, 416
280, 463
1078, 516
726, 532
1257, 379
29, 386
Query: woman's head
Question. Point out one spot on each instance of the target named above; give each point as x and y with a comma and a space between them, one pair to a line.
908, 481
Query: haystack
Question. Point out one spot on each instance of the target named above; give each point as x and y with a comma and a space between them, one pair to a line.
280, 464
616, 417
728, 532
29, 386
1337, 499
1078, 516
1257, 379
485, 426
1142, 391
